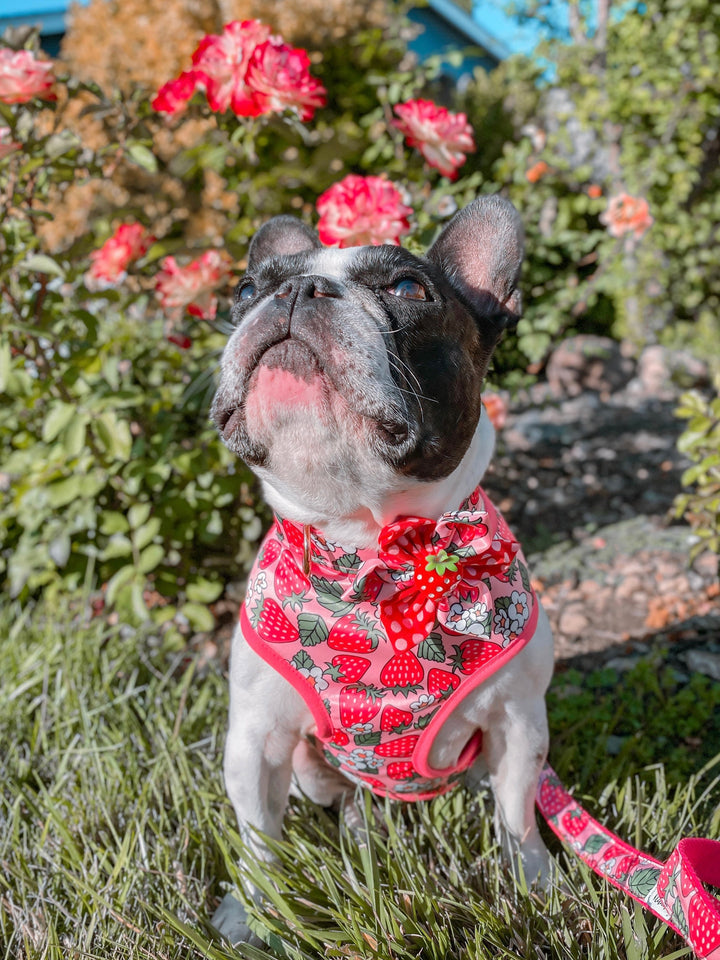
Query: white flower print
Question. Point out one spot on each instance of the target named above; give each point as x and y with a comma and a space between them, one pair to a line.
322, 544
357, 729
519, 611
255, 588
473, 619
502, 624
314, 676
424, 700
363, 759
403, 575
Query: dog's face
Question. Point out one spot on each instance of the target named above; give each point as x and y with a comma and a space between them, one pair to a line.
353, 369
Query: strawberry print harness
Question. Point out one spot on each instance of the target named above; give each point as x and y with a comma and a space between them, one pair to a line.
383, 644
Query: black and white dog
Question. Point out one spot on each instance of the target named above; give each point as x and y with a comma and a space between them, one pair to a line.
352, 387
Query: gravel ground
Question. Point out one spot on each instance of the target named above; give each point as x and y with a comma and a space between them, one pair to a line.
586, 472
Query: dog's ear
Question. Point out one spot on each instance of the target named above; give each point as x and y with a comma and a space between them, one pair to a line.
481, 252
281, 236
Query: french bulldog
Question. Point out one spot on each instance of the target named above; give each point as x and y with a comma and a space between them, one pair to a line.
390, 636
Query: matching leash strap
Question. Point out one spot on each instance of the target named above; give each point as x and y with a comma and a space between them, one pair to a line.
673, 890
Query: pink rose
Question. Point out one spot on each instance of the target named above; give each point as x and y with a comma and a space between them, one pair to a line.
223, 61
109, 264
362, 210
443, 138
23, 77
193, 286
6, 144
248, 71
279, 76
173, 95
626, 214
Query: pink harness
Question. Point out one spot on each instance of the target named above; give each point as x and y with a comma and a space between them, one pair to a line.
383, 644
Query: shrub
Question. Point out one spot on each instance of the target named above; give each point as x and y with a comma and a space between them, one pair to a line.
700, 441
630, 109
113, 472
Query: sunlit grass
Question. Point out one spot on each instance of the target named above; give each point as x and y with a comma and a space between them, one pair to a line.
116, 839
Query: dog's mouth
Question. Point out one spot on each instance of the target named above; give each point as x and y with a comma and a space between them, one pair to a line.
292, 356
289, 356
289, 373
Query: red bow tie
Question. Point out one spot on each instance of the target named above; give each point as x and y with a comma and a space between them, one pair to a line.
421, 562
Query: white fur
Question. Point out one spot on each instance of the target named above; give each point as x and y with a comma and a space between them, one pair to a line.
269, 719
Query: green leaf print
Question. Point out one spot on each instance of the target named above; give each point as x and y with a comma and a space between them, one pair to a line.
302, 661
643, 881
431, 648
595, 843
312, 629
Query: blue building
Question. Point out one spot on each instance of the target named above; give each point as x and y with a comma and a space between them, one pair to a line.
486, 36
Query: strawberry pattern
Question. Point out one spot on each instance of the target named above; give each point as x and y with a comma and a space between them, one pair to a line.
383, 644
673, 890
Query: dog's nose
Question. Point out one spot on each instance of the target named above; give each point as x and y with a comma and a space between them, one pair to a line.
308, 288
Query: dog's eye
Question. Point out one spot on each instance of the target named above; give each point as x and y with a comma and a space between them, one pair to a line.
409, 289
246, 291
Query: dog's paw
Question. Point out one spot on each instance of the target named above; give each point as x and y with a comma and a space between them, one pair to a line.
230, 920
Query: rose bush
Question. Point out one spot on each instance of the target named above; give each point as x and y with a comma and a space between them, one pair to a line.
113, 471
109, 264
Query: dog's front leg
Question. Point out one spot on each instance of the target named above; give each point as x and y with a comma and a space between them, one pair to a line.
513, 719
266, 717
515, 748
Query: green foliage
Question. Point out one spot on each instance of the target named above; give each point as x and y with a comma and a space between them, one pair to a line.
110, 465
601, 731
636, 114
700, 441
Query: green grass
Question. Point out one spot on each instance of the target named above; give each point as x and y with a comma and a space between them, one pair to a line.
116, 839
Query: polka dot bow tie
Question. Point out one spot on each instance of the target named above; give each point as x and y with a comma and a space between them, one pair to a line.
422, 562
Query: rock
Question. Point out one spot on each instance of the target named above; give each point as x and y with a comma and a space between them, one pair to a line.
573, 621
622, 664
661, 371
588, 362
703, 661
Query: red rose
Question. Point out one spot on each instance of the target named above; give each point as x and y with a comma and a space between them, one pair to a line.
626, 214
222, 61
279, 76
109, 264
23, 77
362, 210
173, 95
443, 138
193, 286
248, 71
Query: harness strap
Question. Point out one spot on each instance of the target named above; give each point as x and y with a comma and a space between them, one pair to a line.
673, 890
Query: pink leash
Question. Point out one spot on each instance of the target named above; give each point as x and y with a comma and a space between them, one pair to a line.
673, 890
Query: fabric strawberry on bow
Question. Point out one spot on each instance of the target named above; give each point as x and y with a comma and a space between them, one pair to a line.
421, 562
